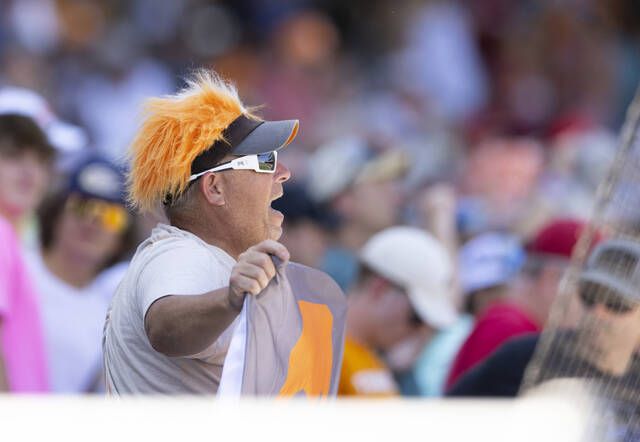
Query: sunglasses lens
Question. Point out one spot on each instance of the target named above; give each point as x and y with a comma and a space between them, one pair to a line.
588, 298
618, 306
613, 302
79, 207
113, 217
267, 161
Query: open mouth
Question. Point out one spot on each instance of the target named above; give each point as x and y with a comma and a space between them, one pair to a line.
275, 211
273, 199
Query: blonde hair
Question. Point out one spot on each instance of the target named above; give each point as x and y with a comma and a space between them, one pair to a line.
175, 130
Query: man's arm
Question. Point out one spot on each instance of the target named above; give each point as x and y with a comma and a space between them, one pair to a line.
187, 324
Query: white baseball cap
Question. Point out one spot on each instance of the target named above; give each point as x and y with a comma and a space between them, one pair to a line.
415, 260
65, 137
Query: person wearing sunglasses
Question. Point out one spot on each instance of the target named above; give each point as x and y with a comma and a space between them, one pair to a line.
609, 292
212, 166
86, 231
602, 353
524, 307
602, 345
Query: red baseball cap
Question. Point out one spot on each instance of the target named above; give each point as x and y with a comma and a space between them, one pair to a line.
558, 238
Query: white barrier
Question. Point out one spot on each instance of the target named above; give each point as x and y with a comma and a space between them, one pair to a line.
190, 419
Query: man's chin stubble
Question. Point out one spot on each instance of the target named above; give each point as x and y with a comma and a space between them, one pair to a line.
275, 233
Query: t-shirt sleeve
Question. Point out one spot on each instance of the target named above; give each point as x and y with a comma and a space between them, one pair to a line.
181, 270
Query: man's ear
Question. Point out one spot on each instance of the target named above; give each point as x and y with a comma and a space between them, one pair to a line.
212, 188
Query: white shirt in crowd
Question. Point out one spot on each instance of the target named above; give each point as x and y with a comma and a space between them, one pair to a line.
170, 262
73, 320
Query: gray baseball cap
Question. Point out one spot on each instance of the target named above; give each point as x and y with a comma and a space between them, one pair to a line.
615, 264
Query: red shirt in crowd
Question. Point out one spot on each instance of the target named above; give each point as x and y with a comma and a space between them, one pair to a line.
500, 322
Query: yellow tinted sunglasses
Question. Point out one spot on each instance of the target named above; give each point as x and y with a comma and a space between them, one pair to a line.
113, 217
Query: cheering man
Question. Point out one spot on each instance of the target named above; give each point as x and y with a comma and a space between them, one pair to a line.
214, 167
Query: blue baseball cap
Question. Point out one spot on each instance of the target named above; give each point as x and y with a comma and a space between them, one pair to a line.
97, 177
489, 260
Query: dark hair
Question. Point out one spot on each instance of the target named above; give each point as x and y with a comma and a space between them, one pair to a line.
365, 272
19, 133
49, 214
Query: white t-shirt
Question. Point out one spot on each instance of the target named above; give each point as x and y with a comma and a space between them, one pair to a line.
73, 320
170, 262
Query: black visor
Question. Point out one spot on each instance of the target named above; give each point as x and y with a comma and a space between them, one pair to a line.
246, 136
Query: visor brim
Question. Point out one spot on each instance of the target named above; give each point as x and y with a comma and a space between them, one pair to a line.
269, 136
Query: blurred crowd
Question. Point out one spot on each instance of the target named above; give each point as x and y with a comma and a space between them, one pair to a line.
448, 160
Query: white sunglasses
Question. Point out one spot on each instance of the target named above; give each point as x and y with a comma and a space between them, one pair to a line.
261, 163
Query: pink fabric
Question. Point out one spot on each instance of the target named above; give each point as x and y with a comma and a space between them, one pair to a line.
500, 322
22, 340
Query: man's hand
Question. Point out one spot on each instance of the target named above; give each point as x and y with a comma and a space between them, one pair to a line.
254, 270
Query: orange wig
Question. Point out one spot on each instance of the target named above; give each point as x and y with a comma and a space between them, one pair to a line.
176, 129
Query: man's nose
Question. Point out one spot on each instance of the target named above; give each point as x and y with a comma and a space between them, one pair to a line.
282, 173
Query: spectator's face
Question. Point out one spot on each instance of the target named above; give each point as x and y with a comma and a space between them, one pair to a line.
503, 171
611, 323
23, 181
248, 198
90, 229
609, 328
393, 316
376, 204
